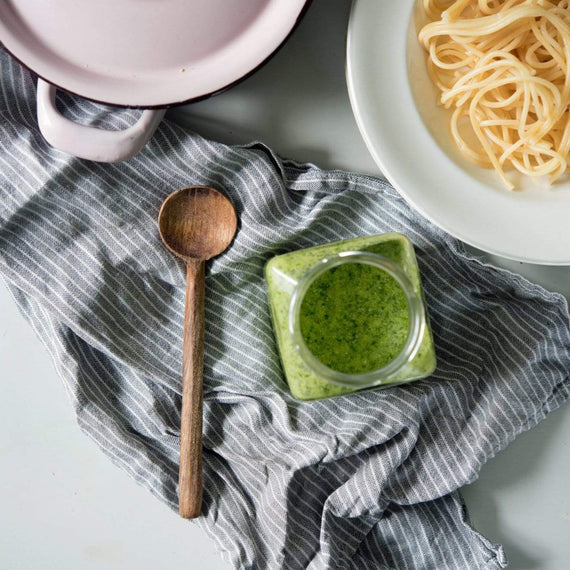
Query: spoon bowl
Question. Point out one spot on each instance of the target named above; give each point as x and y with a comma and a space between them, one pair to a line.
196, 224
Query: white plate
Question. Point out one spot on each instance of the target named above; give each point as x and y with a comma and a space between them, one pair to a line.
150, 53
406, 132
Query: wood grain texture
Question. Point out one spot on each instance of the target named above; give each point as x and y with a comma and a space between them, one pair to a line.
190, 471
195, 223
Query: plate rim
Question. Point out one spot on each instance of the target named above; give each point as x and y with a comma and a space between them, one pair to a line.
386, 170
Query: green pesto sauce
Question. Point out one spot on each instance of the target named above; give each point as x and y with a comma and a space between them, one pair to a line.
283, 271
354, 318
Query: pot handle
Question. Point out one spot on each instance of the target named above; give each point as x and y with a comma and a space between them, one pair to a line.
87, 142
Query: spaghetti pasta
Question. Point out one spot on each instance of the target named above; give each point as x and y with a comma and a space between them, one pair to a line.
503, 68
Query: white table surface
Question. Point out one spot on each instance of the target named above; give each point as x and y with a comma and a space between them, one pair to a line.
64, 506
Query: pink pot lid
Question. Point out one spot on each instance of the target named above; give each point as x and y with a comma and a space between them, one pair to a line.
145, 53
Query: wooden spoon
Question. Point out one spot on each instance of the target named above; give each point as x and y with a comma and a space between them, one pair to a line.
196, 224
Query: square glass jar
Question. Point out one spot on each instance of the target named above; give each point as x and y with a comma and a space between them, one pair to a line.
290, 278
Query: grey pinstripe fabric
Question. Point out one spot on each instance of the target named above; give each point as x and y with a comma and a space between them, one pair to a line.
363, 481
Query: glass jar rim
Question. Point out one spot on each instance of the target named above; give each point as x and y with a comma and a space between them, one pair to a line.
415, 313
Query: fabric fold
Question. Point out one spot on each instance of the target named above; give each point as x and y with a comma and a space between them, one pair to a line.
368, 480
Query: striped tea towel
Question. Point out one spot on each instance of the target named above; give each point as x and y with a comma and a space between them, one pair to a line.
365, 481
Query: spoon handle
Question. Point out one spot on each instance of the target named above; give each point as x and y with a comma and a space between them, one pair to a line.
190, 473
